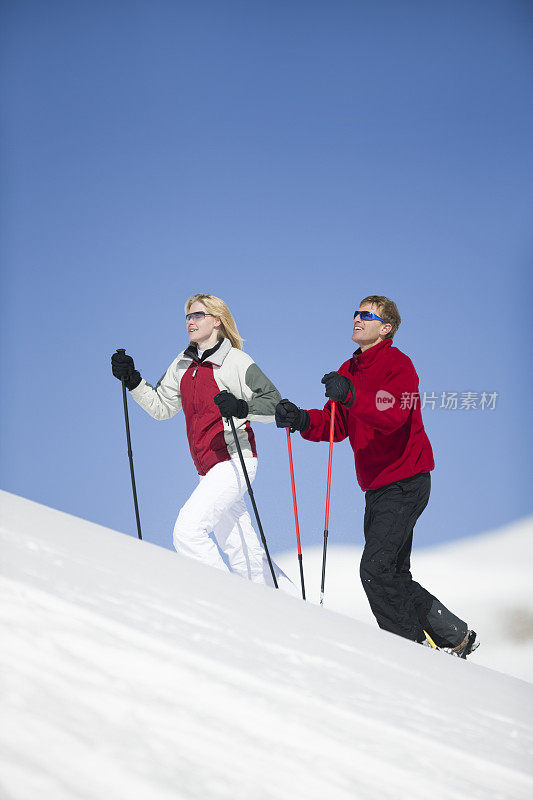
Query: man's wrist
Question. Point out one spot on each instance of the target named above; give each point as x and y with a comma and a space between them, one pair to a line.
351, 395
304, 420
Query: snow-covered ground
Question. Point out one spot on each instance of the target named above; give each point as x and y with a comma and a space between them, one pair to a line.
486, 580
130, 672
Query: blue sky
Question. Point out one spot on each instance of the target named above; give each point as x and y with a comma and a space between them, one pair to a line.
290, 157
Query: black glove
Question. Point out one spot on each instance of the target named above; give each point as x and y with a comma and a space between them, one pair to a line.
338, 387
231, 406
124, 368
287, 415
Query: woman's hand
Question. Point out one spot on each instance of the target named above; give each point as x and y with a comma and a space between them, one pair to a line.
231, 406
123, 368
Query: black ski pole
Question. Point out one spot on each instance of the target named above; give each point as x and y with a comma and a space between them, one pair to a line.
252, 498
130, 452
328, 489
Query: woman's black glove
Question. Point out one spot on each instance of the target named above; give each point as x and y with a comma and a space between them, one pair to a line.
338, 387
287, 415
124, 369
231, 406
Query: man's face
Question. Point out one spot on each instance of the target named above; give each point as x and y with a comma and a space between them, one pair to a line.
201, 330
368, 333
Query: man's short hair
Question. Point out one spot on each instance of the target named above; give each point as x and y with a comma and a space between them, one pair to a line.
386, 309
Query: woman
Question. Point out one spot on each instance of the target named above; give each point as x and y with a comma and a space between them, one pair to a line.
213, 379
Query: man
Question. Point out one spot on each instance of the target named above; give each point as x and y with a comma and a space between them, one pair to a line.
378, 409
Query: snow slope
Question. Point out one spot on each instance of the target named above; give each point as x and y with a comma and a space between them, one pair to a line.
129, 672
485, 579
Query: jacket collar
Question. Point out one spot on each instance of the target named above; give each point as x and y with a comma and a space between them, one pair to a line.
215, 355
370, 356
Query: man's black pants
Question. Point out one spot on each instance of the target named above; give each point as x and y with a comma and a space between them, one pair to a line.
399, 604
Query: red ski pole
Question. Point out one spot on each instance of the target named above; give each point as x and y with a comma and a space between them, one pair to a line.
326, 523
289, 446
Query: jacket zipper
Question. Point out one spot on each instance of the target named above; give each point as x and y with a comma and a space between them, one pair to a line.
193, 432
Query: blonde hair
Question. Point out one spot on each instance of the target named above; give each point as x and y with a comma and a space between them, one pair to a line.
387, 309
217, 307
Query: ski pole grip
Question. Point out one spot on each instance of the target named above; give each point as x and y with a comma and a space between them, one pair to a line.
122, 352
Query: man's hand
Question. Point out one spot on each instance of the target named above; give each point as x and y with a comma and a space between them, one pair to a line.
123, 368
231, 406
338, 387
287, 415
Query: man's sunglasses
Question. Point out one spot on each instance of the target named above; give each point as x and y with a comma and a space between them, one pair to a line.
368, 315
197, 316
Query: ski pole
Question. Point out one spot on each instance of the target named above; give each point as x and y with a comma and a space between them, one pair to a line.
249, 486
289, 446
130, 452
326, 523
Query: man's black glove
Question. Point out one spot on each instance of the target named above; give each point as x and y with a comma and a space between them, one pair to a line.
287, 415
124, 368
231, 406
338, 387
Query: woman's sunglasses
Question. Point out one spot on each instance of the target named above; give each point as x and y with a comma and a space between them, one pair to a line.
197, 316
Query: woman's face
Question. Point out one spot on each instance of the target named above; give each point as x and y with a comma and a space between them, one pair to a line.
202, 330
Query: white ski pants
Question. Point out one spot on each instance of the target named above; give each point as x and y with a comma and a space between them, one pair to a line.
217, 506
